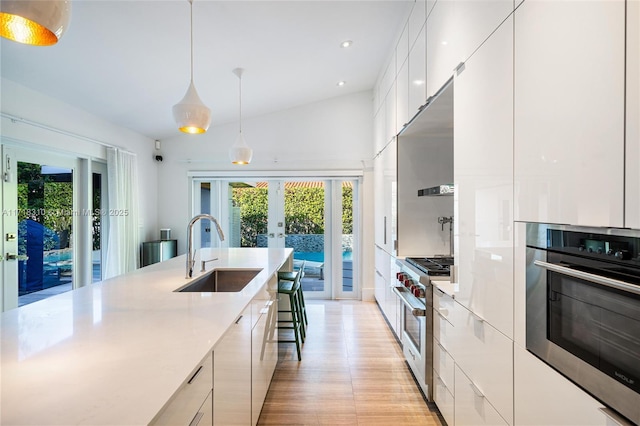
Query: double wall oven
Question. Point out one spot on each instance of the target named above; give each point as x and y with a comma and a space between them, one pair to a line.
413, 287
583, 309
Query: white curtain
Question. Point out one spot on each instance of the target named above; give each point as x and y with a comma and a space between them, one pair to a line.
123, 243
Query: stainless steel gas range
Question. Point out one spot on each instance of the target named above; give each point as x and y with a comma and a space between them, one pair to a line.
413, 287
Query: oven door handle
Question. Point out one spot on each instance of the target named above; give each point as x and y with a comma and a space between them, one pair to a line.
597, 279
417, 309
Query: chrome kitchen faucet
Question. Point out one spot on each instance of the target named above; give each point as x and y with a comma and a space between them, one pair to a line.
191, 253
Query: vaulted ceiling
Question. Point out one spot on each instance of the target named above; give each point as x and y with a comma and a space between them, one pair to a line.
129, 61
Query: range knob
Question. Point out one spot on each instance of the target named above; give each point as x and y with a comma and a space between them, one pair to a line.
620, 255
407, 282
599, 250
418, 292
609, 252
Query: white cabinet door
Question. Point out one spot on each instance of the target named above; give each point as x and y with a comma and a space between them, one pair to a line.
475, 20
442, 56
486, 357
483, 176
455, 29
232, 374
189, 403
443, 397
390, 113
402, 97
569, 112
264, 346
418, 73
385, 198
632, 182
545, 397
472, 407
416, 21
380, 289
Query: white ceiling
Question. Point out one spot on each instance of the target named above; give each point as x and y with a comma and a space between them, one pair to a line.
128, 61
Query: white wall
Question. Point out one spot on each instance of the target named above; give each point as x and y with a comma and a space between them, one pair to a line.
33, 106
329, 135
334, 134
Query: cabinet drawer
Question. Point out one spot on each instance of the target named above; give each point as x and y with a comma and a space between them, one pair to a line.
472, 407
443, 364
443, 303
442, 330
443, 397
486, 356
186, 402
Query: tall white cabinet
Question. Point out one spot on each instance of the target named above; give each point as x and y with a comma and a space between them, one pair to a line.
632, 195
569, 112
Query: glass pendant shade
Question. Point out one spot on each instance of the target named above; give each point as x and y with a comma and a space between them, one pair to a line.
37, 22
190, 114
240, 153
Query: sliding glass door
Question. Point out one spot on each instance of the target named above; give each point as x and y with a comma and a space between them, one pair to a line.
315, 217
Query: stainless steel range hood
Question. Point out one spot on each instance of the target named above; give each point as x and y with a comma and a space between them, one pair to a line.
436, 191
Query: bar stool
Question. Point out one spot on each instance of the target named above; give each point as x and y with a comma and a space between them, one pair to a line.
290, 276
291, 288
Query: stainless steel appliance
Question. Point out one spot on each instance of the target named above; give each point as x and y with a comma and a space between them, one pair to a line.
413, 287
583, 309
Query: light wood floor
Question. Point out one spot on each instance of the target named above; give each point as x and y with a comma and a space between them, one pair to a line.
352, 372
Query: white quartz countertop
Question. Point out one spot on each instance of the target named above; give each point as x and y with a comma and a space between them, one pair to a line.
114, 352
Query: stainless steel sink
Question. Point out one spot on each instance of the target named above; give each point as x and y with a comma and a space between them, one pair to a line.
221, 280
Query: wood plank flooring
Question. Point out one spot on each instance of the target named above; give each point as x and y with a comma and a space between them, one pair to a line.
352, 373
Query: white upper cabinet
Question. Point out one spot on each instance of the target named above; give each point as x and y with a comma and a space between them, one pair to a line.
402, 49
418, 73
385, 198
390, 114
569, 112
455, 29
416, 20
632, 200
442, 56
402, 97
483, 176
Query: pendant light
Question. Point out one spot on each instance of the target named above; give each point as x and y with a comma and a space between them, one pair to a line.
191, 115
240, 153
35, 22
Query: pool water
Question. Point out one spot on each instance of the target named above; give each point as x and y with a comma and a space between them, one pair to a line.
319, 256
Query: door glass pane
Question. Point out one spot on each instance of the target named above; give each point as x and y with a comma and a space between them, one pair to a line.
347, 236
96, 255
305, 228
45, 218
248, 214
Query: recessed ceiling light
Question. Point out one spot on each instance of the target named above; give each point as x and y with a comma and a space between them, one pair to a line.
341, 83
444, 43
346, 43
418, 82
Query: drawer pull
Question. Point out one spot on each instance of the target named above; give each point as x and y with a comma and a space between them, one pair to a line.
443, 383
195, 375
441, 347
196, 419
444, 313
476, 390
440, 292
476, 317
239, 318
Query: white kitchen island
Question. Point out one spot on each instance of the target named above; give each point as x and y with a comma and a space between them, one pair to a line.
115, 352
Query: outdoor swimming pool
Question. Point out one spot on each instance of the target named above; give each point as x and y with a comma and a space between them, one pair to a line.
319, 256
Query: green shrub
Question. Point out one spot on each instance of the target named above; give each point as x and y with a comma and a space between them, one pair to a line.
304, 211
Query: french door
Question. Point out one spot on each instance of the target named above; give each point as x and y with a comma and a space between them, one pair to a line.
317, 217
51, 224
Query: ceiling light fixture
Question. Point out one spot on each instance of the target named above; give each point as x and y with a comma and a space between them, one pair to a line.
346, 43
39, 23
191, 115
341, 83
240, 153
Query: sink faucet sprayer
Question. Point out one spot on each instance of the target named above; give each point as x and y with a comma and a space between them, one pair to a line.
191, 253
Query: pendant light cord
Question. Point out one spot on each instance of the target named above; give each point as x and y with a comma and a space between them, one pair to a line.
191, 8
240, 103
